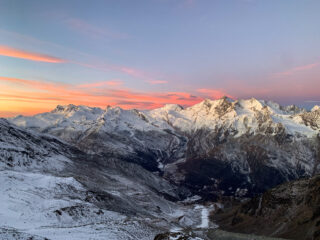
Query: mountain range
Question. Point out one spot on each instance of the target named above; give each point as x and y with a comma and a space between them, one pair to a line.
87, 172
215, 147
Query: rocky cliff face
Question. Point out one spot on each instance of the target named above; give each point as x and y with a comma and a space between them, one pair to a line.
291, 211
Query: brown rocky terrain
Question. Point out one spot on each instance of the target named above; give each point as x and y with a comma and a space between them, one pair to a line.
291, 211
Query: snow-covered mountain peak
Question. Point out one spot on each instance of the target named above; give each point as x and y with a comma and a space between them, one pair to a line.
205, 104
172, 107
250, 104
113, 110
210, 107
71, 109
116, 118
229, 99
116, 112
61, 115
241, 116
315, 108
65, 108
293, 109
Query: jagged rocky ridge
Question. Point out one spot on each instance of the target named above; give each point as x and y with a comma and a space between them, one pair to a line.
215, 147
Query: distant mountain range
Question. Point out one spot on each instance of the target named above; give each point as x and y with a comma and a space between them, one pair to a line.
215, 147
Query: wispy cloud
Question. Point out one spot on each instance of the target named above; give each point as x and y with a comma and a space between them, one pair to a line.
130, 71
297, 69
91, 30
99, 64
17, 53
28, 94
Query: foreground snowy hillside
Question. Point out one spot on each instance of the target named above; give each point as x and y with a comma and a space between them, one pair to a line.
51, 190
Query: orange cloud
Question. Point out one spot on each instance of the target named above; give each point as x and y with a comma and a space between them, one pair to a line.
16, 53
32, 96
101, 84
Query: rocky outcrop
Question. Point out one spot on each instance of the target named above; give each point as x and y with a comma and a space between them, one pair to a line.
291, 210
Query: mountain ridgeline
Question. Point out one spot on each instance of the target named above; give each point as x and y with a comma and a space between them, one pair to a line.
216, 147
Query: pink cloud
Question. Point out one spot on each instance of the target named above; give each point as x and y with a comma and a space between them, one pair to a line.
298, 69
131, 71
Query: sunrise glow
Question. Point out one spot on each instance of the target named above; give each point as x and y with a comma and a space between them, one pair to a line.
65, 56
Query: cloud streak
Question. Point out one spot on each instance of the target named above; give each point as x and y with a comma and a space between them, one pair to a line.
132, 72
298, 69
79, 25
17, 53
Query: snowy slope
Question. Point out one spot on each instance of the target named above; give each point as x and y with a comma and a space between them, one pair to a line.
49, 189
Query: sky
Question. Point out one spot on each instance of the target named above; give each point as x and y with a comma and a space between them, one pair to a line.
146, 53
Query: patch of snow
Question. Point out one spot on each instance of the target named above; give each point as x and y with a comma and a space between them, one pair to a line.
204, 216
